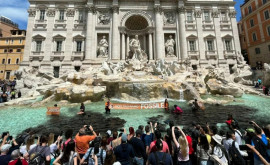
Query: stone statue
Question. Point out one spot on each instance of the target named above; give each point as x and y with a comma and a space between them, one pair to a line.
103, 47
135, 48
240, 59
169, 45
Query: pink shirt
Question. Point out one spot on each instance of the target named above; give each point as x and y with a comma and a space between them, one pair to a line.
164, 149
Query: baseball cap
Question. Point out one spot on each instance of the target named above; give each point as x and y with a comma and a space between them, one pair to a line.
124, 137
109, 132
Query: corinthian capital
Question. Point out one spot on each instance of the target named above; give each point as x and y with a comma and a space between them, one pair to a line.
51, 13
91, 8
32, 12
232, 14
115, 9
158, 9
181, 9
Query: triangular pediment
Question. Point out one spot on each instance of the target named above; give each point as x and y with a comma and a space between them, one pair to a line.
210, 36
227, 36
38, 36
78, 37
192, 36
59, 36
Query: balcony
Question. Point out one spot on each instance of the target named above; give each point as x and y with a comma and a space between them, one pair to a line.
79, 24
191, 25
60, 25
229, 54
57, 55
40, 25
211, 54
194, 54
77, 56
208, 25
36, 56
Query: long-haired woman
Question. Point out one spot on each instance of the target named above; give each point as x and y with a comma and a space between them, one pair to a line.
68, 156
182, 146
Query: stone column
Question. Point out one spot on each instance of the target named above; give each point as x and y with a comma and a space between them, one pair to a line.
28, 40
69, 39
123, 47
127, 49
182, 32
201, 43
144, 43
218, 46
115, 34
150, 46
237, 46
90, 52
160, 49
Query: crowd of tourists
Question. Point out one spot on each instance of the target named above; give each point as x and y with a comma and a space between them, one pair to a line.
194, 145
8, 90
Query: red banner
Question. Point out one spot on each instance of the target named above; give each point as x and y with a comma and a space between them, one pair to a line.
127, 106
53, 110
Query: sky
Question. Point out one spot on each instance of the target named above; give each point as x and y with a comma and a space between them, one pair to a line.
16, 10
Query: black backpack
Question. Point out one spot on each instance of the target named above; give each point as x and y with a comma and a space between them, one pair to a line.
36, 158
236, 157
160, 162
260, 147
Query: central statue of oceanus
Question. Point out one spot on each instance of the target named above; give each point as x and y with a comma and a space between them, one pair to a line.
135, 50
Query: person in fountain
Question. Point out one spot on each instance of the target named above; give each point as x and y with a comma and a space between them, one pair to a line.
177, 110
166, 105
107, 106
82, 109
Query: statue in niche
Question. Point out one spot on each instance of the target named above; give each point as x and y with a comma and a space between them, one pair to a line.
103, 47
169, 45
169, 18
103, 19
135, 49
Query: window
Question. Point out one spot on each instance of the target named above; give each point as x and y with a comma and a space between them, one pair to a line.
14, 33
12, 41
20, 33
269, 48
254, 37
79, 46
264, 1
58, 46
251, 23
10, 50
77, 68
17, 61
20, 41
19, 50
61, 15
2, 71
189, 16
38, 46
210, 45
192, 46
268, 30
3, 61
249, 9
6, 41
9, 61
206, 16
5, 50
80, 18
257, 50
42, 15
228, 45
266, 15
223, 16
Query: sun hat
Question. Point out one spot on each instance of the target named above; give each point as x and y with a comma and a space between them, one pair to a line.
217, 139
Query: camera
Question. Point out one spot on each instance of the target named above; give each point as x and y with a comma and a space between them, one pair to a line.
36, 137
148, 122
250, 122
87, 128
121, 130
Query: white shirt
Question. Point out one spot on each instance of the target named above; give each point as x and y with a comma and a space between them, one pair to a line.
238, 138
228, 143
23, 148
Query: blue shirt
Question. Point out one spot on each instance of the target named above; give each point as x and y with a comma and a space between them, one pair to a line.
148, 139
264, 140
